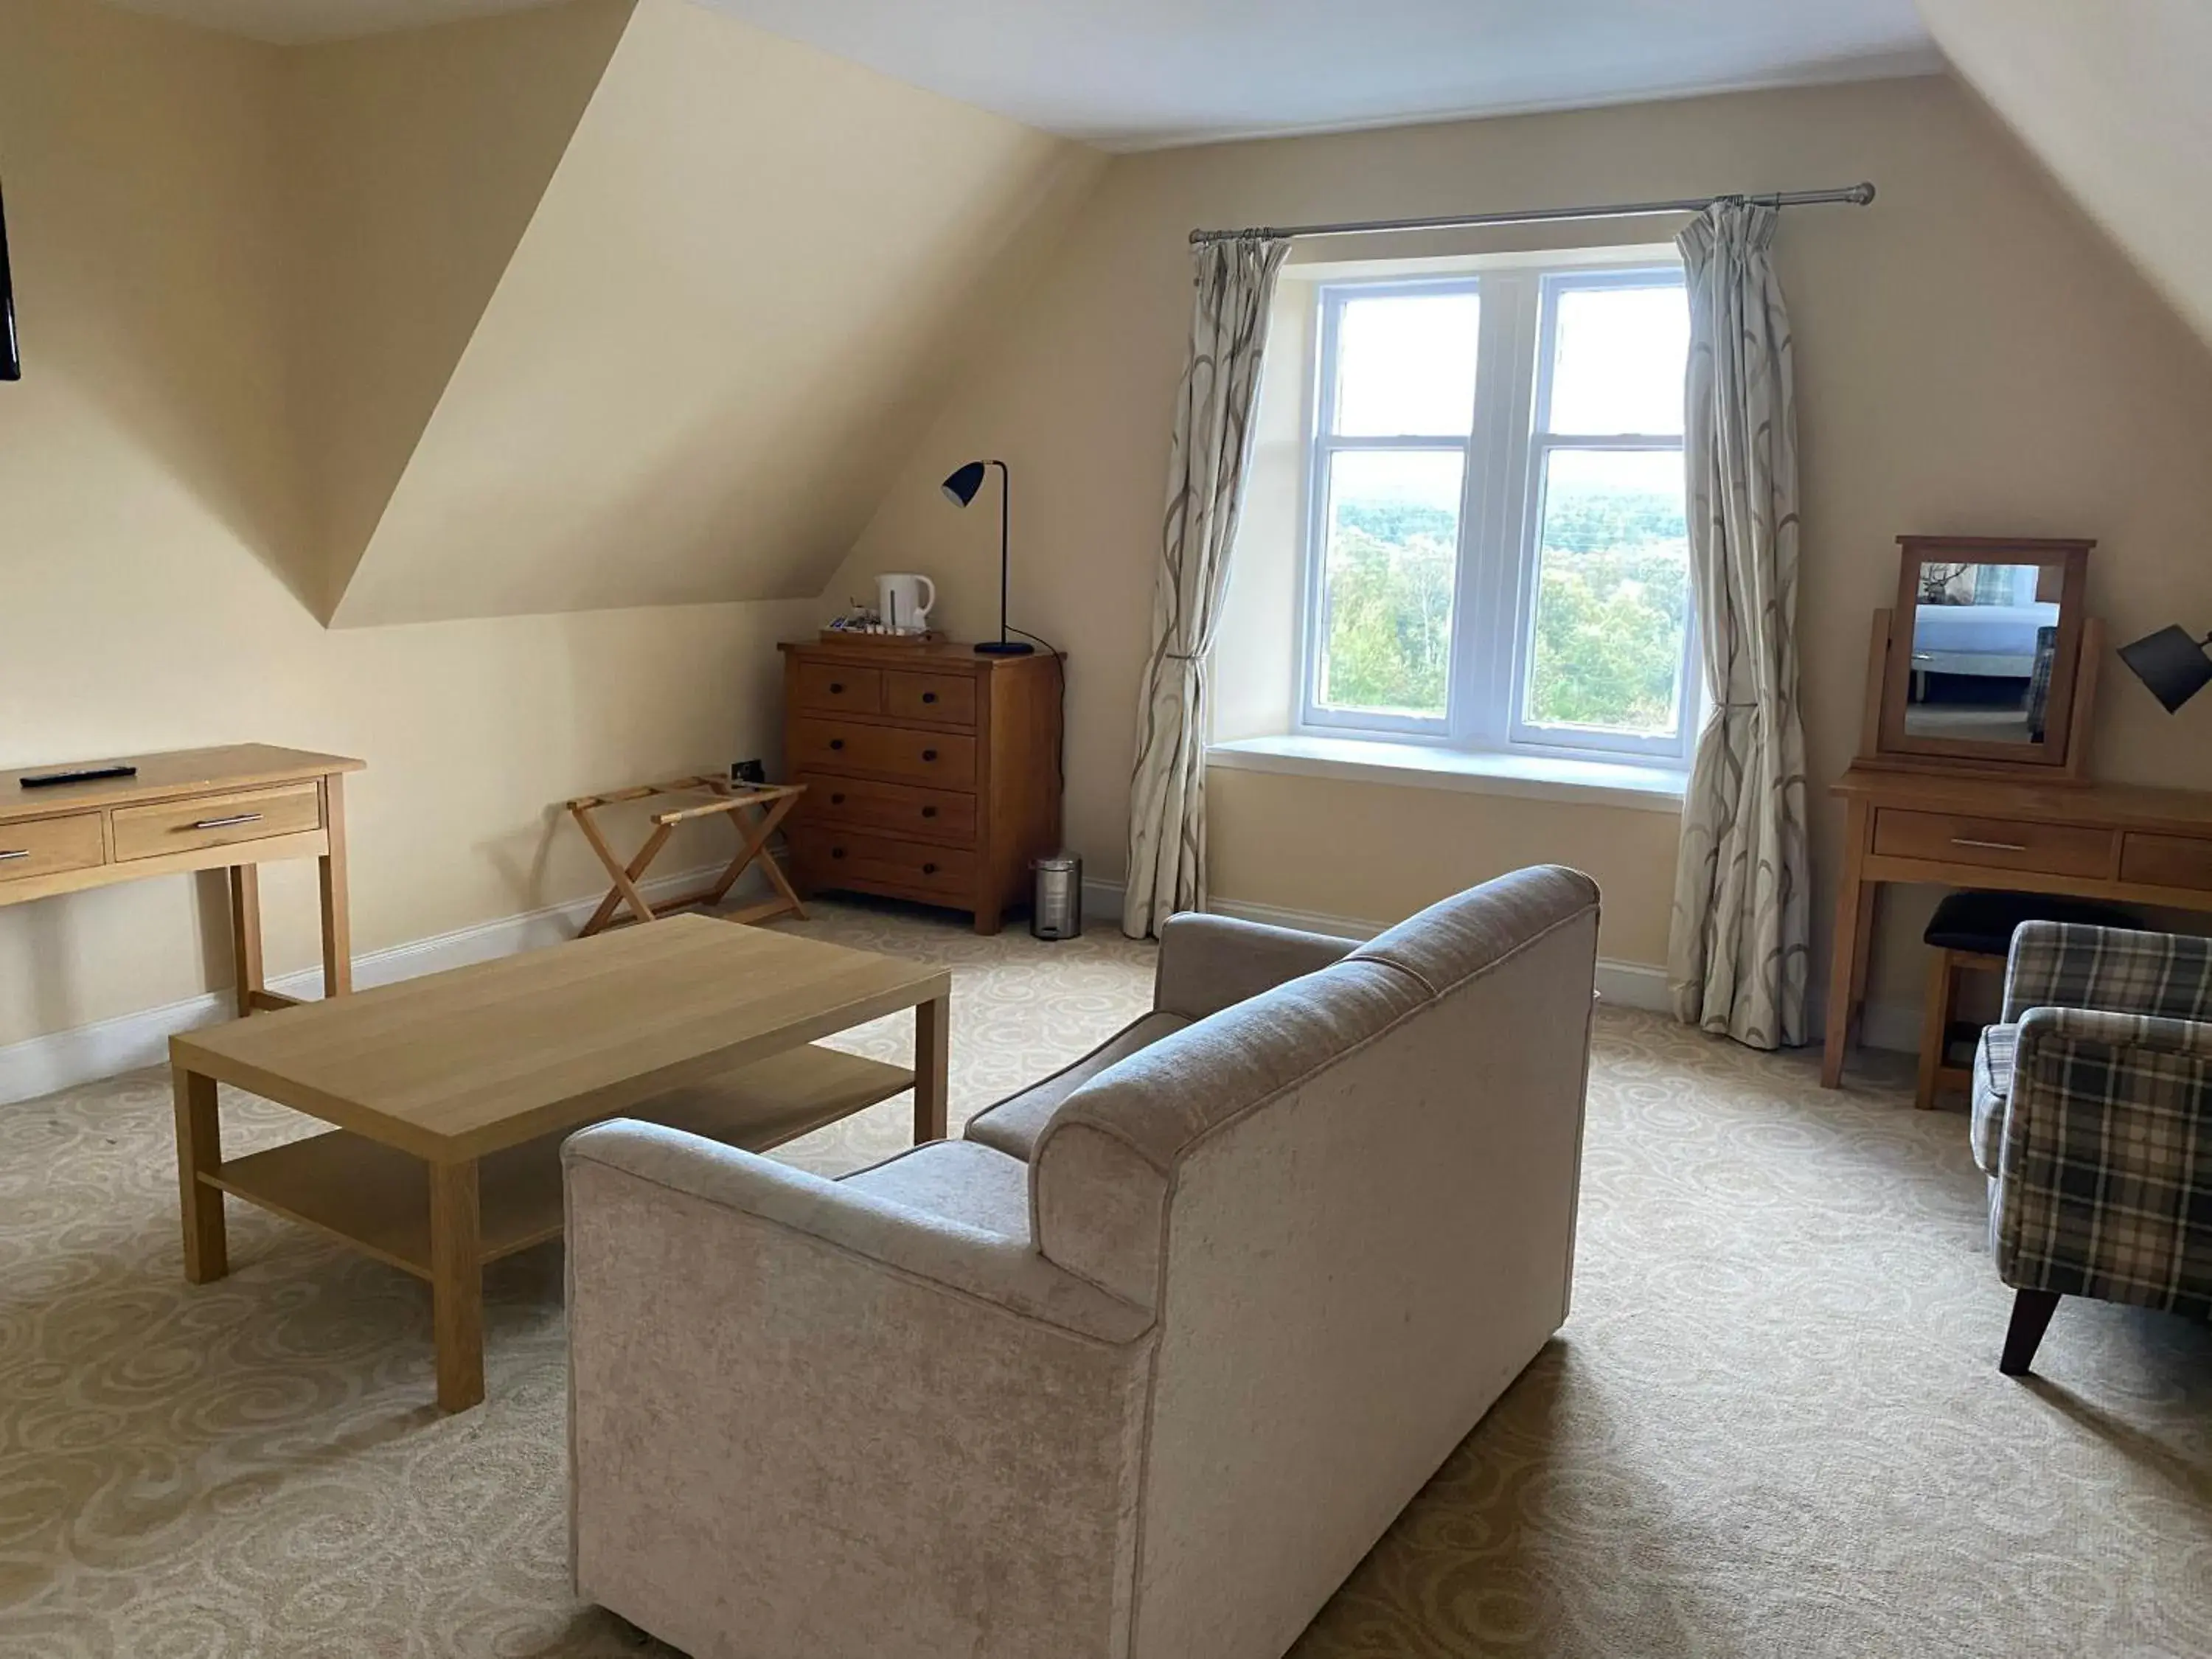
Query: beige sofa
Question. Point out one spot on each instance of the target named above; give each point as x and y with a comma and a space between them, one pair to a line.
1142, 1366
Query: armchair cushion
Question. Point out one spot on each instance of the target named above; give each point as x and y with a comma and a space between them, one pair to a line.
1013, 1125
1993, 1058
962, 1180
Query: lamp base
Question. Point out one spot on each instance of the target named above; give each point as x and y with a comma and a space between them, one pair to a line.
1005, 648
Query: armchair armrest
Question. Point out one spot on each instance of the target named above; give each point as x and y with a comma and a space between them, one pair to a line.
2105, 1169
1209, 963
2057, 965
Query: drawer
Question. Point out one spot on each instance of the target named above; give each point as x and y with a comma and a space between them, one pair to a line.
2154, 860
47, 846
829, 688
944, 699
187, 826
830, 857
2052, 849
901, 808
899, 753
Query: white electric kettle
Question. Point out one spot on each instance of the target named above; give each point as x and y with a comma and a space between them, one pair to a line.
902, 602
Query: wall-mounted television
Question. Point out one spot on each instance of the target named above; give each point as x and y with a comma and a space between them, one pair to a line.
11, 358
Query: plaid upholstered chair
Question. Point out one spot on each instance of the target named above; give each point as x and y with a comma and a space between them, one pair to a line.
2093, 1119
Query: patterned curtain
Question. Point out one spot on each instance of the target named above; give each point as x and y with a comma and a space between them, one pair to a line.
1736, 955
1206, 466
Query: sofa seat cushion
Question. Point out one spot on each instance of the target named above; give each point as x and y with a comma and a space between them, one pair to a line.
1013, 1125
960, 1181
1993, 1058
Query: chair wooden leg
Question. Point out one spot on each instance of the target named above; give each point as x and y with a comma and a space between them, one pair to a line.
2031, 1318
1935, 1027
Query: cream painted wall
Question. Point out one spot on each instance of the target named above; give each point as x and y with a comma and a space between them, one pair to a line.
414, 162
729, 318
1972, 355
145, 507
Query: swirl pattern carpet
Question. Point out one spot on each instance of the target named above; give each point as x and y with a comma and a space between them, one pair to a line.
1773, 1426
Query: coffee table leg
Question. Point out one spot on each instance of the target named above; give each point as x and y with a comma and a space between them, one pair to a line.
199, 1147
932, 1043
456, 1285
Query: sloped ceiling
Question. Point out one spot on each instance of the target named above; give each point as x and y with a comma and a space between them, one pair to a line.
718, 336
2111, 97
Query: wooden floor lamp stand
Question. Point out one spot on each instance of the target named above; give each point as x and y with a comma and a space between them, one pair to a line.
755, 810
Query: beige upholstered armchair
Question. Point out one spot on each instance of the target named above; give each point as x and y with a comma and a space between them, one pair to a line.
1139, 1369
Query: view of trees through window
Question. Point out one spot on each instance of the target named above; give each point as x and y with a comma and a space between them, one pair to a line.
1606, 566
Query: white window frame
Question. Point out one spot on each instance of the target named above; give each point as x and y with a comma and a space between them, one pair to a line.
1501, 512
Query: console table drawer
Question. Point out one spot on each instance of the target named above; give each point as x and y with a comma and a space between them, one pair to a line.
935, 757
2050, 849
45, 847
832, 858
2166, 861
899, 808
837, 689
187, 826
940, 699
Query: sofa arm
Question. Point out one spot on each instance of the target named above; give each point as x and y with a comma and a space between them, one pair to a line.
1207, 963
2104, 1168
2058, 964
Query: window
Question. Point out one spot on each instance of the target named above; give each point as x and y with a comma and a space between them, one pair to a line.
1497, 557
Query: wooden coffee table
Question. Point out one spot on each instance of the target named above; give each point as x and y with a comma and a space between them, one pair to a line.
450, 1093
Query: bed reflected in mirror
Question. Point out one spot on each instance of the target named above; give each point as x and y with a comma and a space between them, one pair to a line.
1984, 639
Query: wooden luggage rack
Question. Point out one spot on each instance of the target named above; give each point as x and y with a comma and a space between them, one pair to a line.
754, 810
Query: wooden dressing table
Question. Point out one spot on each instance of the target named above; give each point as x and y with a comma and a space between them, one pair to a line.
2118, 842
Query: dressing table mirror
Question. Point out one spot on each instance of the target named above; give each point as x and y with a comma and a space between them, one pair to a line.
1987, 661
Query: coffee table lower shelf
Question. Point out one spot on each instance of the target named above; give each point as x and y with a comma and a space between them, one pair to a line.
377, 1198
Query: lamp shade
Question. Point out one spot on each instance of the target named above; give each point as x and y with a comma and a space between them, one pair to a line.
960, 488
2172, 663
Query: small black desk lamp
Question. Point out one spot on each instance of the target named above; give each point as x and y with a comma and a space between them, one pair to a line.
960, 490
2172, 663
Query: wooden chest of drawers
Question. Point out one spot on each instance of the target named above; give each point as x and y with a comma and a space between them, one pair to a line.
930, 773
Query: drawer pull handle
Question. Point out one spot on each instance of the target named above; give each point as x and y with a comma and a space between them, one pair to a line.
226, 824
837, 799
20, 853
836, 688
929, 696
836, 852
1993, 846
929, 754
929, 811
836, 743
928, 869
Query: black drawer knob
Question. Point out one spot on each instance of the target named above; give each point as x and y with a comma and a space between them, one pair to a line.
928, 869
836, 743
836, 852
836, 688
929, 754
929, 696
929, 811
837, 799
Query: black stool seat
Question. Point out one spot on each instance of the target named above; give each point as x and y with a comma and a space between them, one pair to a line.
1984, 921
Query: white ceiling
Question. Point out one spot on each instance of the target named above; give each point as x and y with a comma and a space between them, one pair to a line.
1130, 74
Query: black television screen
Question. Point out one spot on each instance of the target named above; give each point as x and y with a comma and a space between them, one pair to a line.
11, 359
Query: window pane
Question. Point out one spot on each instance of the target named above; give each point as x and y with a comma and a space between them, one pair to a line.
1387, 583
1616, 366
1405, 365
1612, 592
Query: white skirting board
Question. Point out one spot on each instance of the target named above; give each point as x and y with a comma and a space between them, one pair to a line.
1626, 984
62, 1059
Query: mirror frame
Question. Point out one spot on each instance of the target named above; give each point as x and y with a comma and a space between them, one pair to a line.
2050, 754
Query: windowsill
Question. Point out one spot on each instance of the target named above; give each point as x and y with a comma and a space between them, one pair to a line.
1589, 782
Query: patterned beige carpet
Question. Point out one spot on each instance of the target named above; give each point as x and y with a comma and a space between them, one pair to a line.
1774, 1425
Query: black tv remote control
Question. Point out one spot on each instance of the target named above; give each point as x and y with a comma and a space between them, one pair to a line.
81, 775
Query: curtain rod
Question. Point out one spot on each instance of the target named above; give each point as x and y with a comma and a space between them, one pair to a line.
1858, 196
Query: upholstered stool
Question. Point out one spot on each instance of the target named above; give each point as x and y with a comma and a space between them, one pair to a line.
1973, 931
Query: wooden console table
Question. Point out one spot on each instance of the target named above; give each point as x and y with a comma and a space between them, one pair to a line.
2118, 842
235, 808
